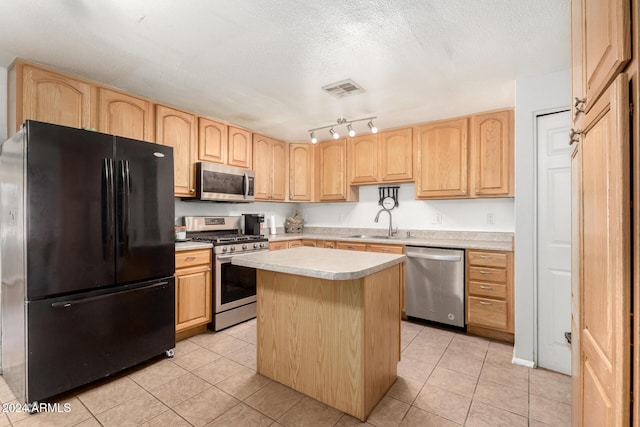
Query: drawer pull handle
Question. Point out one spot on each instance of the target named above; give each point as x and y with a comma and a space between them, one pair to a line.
485, 272
486, 287
190, 258
486, 256
485, 303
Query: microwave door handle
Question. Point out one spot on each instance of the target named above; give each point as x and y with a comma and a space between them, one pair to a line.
245, 180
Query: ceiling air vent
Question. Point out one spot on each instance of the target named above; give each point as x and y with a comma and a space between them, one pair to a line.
343, 88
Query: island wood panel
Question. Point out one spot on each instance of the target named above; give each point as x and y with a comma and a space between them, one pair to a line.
335, 341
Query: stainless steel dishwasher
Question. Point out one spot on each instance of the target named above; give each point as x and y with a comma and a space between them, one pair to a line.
435, 285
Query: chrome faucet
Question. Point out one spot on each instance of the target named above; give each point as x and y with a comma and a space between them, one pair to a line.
391, 230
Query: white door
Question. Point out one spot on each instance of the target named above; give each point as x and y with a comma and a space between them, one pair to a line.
554, 241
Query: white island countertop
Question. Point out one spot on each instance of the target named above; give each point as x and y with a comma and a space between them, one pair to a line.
332, 264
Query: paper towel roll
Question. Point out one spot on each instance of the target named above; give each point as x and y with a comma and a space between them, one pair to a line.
272, 224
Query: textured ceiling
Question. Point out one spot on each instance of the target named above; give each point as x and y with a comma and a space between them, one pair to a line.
261, 64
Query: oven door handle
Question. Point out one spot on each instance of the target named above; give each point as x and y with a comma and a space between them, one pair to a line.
226, 257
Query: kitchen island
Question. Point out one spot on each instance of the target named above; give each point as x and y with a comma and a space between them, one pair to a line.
328, 323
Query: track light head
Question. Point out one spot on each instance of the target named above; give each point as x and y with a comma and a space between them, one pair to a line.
373, 128
313, 138
352, 132
334, 134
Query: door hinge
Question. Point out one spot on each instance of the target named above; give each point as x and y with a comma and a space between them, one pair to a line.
631, 108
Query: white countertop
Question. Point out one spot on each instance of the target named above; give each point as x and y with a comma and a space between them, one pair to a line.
332, 264
456, 243
188, 246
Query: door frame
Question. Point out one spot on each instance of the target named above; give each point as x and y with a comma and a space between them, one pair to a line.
536, 116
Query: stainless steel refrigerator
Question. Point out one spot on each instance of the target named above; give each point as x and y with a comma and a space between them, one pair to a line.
87, 250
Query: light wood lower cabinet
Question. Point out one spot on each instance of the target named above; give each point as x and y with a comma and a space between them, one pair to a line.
489, 292
193, 289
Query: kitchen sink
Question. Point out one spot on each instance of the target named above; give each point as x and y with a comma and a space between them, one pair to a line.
367, 236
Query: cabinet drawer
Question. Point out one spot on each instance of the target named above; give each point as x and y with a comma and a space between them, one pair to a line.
387, 249
485, 274
294, 243
192, 258
276, 246
352, 246
311, 243
328, 244
487, 312
491, 290
487, 259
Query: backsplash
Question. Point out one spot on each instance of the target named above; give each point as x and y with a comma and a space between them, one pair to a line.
455, 215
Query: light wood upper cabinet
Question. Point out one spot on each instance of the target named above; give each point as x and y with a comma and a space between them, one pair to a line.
124, 115
606, 40
47, 96
396, 155
331, 164
363, 158
270, 166
491, 154
212, 141
240, 152
177, 129
441, 159
301, 167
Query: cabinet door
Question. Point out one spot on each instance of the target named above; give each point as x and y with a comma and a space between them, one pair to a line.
441, 160
124, 115
607, 43
53, 98
491, 157
576, 274
301, 168
578, 90
396, 155
262, 166
332, 161
193, 297
212, 141
177, 129
240, 152
279, 153
363, 158
606, 265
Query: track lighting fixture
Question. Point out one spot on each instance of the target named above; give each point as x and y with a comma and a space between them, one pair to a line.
342, 121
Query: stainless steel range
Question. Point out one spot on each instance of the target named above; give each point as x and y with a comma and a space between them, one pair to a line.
234, 287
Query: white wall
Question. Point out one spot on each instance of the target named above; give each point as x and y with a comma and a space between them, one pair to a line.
410, 213
3, 104
534, 96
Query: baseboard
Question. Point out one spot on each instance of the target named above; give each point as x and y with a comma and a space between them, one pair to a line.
523, 362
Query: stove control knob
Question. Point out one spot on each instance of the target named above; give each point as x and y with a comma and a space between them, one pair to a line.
244, 246
224, 249
262, 245
255, 245
233, 248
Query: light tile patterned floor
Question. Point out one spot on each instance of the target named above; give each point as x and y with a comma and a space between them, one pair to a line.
444, 379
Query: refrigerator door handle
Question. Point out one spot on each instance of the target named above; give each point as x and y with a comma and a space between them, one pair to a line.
125, 206
69, 303
107, 209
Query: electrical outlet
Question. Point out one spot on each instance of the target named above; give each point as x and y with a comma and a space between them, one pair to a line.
436, 218
491, 218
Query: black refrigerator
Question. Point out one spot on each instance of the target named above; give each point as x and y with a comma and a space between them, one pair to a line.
87, 249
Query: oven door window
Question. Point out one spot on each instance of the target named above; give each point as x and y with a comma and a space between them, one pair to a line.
236, 283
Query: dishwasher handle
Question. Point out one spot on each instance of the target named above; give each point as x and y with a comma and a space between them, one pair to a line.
448, 258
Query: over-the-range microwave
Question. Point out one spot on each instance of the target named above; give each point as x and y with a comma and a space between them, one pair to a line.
224, 183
